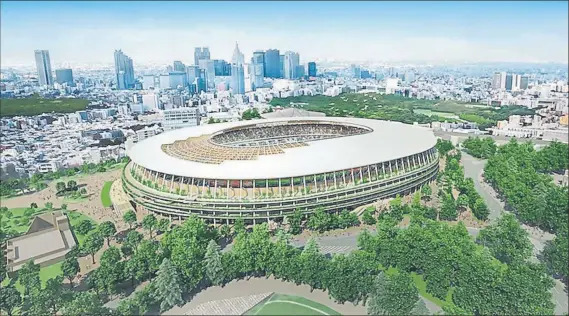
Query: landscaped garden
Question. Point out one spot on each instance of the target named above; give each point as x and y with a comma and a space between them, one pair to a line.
106, 194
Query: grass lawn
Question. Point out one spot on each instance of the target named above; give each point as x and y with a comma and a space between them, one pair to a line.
105, 194
18, 221
280, 304
46, 273
36, 105
74, 219
422, 288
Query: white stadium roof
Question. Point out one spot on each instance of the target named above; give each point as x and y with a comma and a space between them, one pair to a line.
389, 140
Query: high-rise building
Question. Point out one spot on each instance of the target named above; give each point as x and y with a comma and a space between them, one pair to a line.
64, 75
148, 81
43, 65
272, 64
179, 66
409, 76
291, 62
509, 81
124, 71
356, 71
200, 53
192, 72
281, 66
177, 78
524, 82
237, 71
299, 71
208, 66
257, 69
164, 81
496, 81
312, 69
222, 68
516, 81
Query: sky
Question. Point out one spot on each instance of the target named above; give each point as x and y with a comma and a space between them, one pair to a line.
89, 32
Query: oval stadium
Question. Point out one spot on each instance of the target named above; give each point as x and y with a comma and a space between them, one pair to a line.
265, 169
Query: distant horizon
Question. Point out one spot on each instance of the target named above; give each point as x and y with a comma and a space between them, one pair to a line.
373, 32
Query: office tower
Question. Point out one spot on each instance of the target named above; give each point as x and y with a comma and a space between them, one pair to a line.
148, 82
366, 74
208, 66
43, 65
524, 82
503, 80
509, 80
222, 68
291, 61
257, 69
272, 63
177, 78
409, 76
64, 75
299, 71
496, 81
237, 71
179, 66
356, 71
124, 71
201, 81
311, 69
192, 72
180, 118
516, 82
200, 53
164, 81
281, 66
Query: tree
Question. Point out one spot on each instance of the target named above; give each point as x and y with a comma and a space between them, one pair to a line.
64, 207
10, 299
225, 231
48, 205
367, 217
506, 239
93, 243
163, 225
213, 265
130, 218
480, 210
313, 265
133, 238
417, 199
239, 226
555, 256
70, 268
84, 227
295, 222
251, 114
168, 287
29, 277
34, 205
111, 270
60, 187
107, 230
448, 208
50, 299
426, 191
149, 222
71, 185
444, 146
462, 202
85, 303
83, 191
393, 295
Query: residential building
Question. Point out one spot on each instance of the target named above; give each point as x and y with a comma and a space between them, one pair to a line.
124, 71
43, 65
64, 75
180, 118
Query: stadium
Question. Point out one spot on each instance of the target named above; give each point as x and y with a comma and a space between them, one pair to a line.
265, 169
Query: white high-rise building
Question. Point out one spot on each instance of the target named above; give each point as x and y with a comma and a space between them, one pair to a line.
150, 102
180, 118
291, 61
43, 65
148, 81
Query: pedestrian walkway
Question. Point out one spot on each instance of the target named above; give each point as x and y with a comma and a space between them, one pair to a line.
336, 249
231, 306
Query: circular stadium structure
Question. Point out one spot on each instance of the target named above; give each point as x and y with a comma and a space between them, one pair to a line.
265, 169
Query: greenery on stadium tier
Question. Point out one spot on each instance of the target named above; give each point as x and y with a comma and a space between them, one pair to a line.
36, 105
401, 109
38, 181
250, 114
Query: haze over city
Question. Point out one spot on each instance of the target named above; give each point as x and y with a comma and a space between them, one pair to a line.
83, 32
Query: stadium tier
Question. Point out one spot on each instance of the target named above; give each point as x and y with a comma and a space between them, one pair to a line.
265, 169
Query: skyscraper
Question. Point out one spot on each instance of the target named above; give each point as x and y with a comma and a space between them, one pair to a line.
272, 64
496, 81
237, 71
179, 66
64, 76
124, 71
311, 69
291, 61
281, 66
356, 71
192, 72
208, 66
221, 67
43, 65
200, 53
257, 69
524, 82
509, 81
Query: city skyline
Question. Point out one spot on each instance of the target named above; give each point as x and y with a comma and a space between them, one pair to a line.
355, 31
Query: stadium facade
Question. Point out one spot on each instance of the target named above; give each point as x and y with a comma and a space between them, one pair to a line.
265, 169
